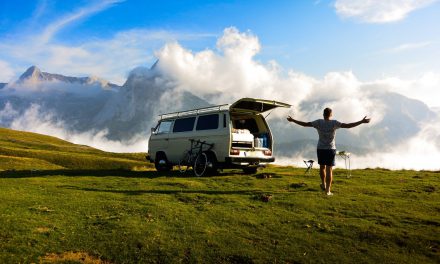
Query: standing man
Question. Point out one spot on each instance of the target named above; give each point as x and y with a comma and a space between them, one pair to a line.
326, 148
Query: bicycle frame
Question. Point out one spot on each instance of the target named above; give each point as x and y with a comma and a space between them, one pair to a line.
190, 156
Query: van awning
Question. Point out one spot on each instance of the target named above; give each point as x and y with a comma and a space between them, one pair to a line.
255, 106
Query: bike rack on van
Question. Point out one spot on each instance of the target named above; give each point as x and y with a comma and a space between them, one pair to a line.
209, 109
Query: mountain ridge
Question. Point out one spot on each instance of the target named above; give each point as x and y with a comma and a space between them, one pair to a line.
121, 113
34, 74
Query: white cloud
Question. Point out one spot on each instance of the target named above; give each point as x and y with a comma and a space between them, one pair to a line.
425, 88
110, 59
6, 72
8, 113
378, 11
409, 47
421, 152
233, 73
53, 28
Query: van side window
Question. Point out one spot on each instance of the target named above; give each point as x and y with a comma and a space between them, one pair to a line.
164, 127
184, 124
207, 122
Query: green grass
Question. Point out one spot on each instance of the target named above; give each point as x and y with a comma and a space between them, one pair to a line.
30, 151
115, 208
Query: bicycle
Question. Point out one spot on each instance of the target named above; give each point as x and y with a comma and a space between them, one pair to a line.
195, 157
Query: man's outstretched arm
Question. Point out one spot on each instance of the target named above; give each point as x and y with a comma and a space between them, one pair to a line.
354, 124
301, 123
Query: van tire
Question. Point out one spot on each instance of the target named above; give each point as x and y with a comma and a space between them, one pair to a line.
250, 170
212, 168
161, 167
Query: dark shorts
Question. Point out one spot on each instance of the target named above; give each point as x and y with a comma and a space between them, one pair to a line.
326, 157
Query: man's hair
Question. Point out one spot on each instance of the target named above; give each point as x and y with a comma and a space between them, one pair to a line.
327, 112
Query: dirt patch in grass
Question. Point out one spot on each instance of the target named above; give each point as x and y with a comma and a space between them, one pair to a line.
75, 257
298, 185
41, 209
42, 230
263, 197
429, 189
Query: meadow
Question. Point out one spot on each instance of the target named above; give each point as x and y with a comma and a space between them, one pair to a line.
67, 203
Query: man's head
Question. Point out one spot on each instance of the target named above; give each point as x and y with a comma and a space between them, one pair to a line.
327, 113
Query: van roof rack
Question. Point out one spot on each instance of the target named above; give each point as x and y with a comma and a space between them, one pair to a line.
209, 109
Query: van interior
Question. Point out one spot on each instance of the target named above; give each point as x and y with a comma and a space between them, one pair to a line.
250, 131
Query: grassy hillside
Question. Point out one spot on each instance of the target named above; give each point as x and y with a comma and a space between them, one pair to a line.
31, 151
88, 206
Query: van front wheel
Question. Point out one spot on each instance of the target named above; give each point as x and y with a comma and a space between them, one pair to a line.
161, 163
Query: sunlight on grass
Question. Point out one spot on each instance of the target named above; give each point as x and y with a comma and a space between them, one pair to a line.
72, 257
114, 208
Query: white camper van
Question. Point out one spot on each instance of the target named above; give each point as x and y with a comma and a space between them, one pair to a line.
216, 137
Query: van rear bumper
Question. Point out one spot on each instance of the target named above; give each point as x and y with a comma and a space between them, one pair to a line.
251, 161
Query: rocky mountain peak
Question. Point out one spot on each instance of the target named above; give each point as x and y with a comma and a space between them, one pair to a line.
32, 73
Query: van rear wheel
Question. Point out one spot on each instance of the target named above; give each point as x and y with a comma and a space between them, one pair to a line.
212, 165
250, 170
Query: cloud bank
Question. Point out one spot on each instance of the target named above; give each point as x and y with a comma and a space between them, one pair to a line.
6, 72
232, 72
378, 11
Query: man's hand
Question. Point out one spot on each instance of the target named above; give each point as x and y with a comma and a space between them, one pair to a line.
366, 120
355, 124
301, 123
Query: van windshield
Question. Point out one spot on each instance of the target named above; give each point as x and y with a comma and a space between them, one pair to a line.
164, 127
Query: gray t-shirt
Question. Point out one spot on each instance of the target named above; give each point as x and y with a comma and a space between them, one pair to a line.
327, 131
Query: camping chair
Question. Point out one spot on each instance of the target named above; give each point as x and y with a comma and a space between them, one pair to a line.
346, 156
309, 164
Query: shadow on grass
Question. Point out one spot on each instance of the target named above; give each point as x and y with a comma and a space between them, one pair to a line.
102, 173
178, 191
89, 173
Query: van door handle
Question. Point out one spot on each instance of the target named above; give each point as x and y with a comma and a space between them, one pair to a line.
167, 139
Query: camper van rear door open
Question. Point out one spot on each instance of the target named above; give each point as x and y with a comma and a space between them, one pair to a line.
255, 106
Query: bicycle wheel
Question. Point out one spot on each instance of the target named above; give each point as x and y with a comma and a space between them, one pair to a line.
184, 162
200, 164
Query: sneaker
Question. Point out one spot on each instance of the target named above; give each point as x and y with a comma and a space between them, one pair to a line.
329, 193
322, 186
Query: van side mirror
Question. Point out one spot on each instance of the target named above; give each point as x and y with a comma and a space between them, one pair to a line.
153, 129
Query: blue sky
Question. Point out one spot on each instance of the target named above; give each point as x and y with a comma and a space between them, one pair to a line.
373, 39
